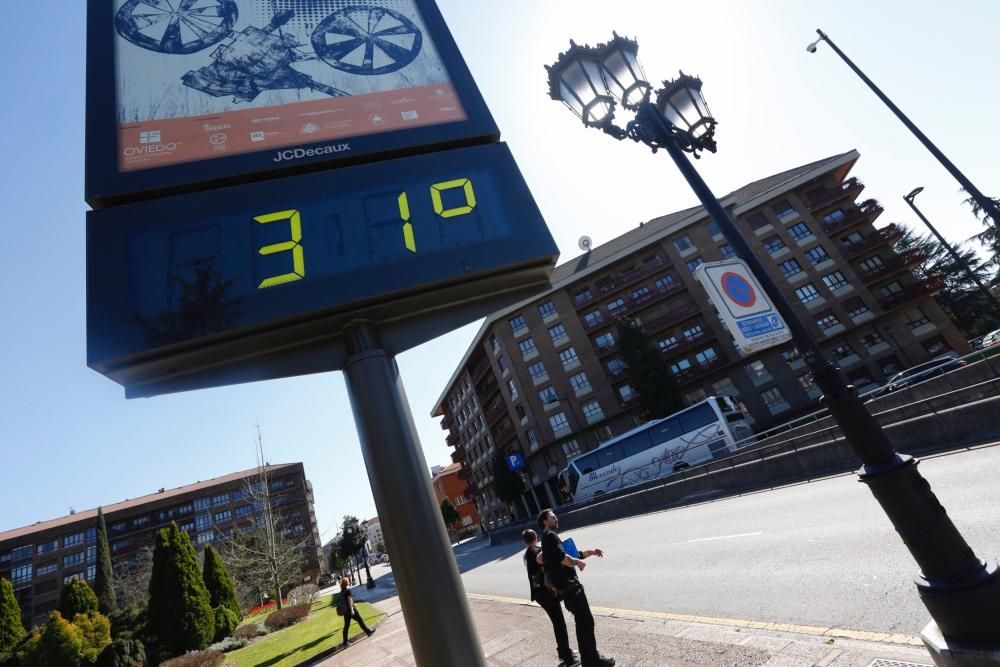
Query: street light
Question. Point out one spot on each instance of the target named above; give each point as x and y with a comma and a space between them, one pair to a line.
961, 592
951, 251
985, 203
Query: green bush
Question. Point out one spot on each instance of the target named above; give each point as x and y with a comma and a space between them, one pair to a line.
249, 631
228, 644
196, 659
128, 623
76, 598
122, 653
11, 628
219, 584
180, 617
95, 630
58, 642
286, 617
225, 622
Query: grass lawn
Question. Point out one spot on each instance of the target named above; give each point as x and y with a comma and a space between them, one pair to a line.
291, 646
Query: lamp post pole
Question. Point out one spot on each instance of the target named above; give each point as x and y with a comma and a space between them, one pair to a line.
985, 203
951, 251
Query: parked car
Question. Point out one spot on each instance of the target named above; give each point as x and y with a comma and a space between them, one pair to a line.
990, 339
925, 371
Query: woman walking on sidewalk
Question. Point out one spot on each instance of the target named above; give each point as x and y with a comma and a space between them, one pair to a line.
346, 608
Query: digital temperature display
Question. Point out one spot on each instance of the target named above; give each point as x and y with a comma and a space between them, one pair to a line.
181, 273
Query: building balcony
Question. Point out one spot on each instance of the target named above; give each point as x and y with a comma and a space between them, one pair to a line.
687, 342
626, 278
452, 439
669, 318
850, 188
894, 265
695, 372
447, 421
867, 211
464, 473
629, 402
485, 393
917, 290
887, 235
495, 412
479, 370
504, 434
458, 455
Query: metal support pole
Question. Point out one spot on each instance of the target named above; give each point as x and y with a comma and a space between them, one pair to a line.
438, 618
985, 203
961, 592
954, 255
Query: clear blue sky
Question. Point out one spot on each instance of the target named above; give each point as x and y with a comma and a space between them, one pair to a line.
70, 439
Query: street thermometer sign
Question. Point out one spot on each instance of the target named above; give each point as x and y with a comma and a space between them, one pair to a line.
742, 304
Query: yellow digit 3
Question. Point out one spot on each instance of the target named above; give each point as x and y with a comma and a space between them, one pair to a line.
298, 256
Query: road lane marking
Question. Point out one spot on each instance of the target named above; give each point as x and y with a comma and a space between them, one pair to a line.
726, 537
885, 637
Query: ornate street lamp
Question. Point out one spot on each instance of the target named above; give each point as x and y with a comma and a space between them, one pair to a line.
961, 592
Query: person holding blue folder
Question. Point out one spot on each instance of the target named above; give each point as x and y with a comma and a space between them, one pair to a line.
561, 578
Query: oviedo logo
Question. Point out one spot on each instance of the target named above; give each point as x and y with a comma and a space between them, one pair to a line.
149, 149
299, 153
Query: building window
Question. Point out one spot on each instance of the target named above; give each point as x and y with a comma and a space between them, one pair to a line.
220, 517
223, 498
548, 396
683, 243
808, 384
724, 387
512, 388
593, 318
695, 263
70, 577
494, 343
187, 526
871, 340
201, 504
91, 535
118, 545
559, 424
807, 293
518, 325
784, 211
570, 448
617, 304
583, 296
206, 537
532, 439
616, 366
537, 371
48, 568
521, 414
140, 521
773, 244
45, 547
243, 510
501, 364
713, 228
856, 307
91, 553
592, 411
547, 309
668, 343
889, 365
791, 355
842, 351
835, 280
580, 383
936, 346
817, 255
73, 559
569, 358
799, 231
72, 540
695, 396
873, 263
20, 574
203, 521
680, 366
773, 400
527, 347
757, 220
790, 267
827, 320
834, 216
727, 251
605, 340
558, 334
890, 289
693, 332
851, 239
626, 393
861, 379
640, 292
666, 283
707, 357
757, 372
651, 261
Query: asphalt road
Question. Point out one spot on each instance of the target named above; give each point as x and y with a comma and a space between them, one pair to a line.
820, 553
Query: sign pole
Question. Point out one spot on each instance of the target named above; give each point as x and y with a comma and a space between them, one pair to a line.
438, 618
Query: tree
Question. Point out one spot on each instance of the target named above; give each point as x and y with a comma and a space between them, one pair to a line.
658, 393
11, 628
130, 577
76, 598
449, 513
989, 237
104, 585
180, 616
506, 484
269, 557
972, 311
59, 642
220, 587
95, 633
380, 547
336, 562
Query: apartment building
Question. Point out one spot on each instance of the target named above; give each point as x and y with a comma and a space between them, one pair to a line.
40, 558
447, 484
544, 377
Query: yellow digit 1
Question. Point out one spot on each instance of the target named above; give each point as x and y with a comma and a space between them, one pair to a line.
404, 213
298, 257
470, 197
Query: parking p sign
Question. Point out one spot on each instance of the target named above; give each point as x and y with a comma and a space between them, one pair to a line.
744, 308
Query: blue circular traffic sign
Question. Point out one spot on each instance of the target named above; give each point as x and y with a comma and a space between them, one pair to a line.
738, 289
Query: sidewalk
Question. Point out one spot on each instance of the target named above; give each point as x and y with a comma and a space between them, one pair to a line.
518, 633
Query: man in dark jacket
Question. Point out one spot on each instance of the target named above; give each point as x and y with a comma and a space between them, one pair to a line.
560, 571
545, 599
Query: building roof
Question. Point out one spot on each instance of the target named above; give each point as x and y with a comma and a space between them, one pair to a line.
131, 503
604, 254
449, 469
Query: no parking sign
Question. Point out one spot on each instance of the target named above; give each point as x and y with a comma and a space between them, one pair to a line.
742, 304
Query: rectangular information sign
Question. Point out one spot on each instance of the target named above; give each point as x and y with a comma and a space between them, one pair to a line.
742, 304
185, 93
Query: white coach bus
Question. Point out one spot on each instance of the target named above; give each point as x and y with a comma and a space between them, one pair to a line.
705, 430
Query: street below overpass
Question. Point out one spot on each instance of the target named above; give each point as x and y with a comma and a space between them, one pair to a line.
820, 553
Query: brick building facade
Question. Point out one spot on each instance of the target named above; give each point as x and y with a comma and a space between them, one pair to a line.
447, 484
